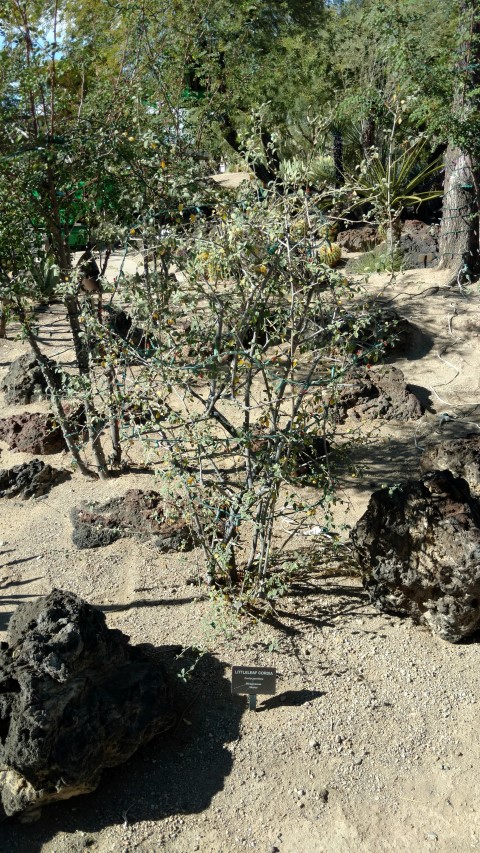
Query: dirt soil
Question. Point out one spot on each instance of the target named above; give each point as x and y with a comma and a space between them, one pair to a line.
371, 742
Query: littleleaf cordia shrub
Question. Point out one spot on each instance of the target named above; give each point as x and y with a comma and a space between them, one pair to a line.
245, 358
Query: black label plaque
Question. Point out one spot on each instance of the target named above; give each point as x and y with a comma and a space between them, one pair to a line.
254, 679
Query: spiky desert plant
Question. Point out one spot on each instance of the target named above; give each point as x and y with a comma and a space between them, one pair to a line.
330, 254
393, 184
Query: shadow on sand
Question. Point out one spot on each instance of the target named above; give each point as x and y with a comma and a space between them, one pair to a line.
176, 773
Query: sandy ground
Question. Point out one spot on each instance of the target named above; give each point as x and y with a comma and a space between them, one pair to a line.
371, 743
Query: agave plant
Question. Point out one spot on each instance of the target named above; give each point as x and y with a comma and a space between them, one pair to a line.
318, 170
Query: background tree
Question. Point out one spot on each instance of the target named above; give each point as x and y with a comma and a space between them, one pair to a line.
459, 235
62, 162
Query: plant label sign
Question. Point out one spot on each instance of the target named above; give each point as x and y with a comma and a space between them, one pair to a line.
253, 680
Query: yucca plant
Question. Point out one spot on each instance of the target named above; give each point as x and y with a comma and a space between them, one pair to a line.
393, 185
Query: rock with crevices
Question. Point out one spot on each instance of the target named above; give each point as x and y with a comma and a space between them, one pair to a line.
418, 545
24, 381
377, 392
459, 455
144, 515
361, 238
31, 480
39, 432
75, 698
418, 244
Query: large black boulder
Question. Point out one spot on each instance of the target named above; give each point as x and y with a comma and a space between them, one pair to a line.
418, 545
75, 698
24, 381
459, 455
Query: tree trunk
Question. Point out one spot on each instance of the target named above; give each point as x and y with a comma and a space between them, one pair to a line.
54, 395
337, 149
368, 135
459, 243
459, 230
393, 234
265, 173
3, 318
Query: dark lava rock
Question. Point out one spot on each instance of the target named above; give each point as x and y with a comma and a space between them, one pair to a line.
24, 381
75, 698
459, 455
121, 324
31, 480
35, 432
378, 392
418, 245
359, 239
303, 460
419, 548
137, 513
309, 456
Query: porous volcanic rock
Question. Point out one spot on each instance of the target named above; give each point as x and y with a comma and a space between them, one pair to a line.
305, 457
121, 324
137, 513
75, 698
378, 392
358, 239
459, 455
24, 381
35, 432
308, 457
419, 548
31, 480
418, 244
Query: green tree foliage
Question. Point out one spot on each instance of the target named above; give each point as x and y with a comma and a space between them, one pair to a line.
402, 48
